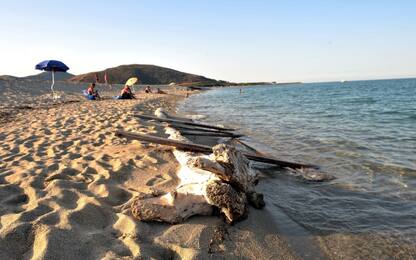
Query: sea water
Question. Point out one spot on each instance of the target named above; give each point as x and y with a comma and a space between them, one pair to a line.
361, 132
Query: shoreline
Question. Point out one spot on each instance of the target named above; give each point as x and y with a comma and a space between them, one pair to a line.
299, 240
65, 178
258, 222
303, 238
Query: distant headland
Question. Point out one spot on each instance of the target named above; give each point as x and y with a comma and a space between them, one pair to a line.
147, 74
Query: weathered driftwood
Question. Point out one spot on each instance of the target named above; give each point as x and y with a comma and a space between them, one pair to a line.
189, 130
306, 172
162, 114
230, 166
173, 207
182, 127
184, 122
238, 143
223, 180
207, 149
213, 134
232, 203
184, 146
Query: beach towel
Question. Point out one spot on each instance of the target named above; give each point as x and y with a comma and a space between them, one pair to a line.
121, 97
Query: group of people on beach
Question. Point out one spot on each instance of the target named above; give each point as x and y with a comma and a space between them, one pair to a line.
126, 92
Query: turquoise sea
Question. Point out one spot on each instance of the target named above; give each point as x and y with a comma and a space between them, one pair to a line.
361, 132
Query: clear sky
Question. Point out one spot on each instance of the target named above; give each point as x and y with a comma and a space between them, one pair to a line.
243, 40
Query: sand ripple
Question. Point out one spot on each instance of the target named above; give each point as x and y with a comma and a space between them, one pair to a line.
66, 184
65, 177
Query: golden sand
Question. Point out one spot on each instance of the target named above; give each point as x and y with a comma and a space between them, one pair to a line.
66, 182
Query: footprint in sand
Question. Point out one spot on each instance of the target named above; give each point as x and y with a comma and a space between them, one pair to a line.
89, 216
67, 199
155, 180
28, 144
150, 159
46, 131
33, 214
105, 157
52, 167
58, 176
66, 173
65, 145
11, 199
17, 200
88, 158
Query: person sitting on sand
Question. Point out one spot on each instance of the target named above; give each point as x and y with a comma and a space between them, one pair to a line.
126, 93
92, 93
158, 91
147, 90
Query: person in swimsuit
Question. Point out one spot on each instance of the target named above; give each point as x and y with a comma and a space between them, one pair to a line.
126, 93
159, 91
147, 90
92, 93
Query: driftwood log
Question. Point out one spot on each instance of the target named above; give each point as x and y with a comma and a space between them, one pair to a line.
212, 134
175, 122
184, 122
186, 146
223, 180
233, 168
182, 127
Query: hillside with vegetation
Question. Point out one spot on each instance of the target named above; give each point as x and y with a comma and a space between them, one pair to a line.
147, 74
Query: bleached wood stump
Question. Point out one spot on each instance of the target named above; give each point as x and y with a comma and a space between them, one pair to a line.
223, 180
233, 168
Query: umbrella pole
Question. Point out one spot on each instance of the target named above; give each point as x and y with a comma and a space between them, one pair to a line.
53, 83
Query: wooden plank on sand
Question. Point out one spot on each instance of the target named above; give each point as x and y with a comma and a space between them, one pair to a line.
182, 127
214, 134
159, 140
207, 149
183, 122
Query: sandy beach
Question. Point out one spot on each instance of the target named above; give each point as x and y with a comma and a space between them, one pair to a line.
208, 130
66, 182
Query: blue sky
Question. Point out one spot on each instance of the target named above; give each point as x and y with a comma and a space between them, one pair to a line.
230, 40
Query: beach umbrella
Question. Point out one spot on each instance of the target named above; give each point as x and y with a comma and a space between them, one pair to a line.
52, 66
131, 81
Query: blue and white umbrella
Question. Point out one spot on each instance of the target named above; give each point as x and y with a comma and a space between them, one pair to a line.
52, 65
